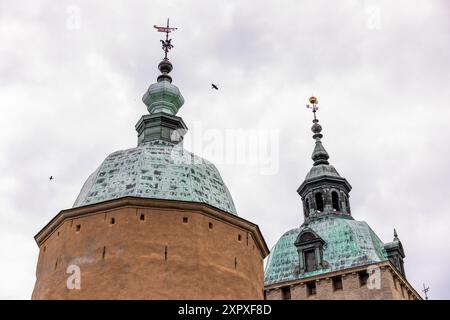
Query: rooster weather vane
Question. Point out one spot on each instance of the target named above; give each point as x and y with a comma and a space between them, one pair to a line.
167, 43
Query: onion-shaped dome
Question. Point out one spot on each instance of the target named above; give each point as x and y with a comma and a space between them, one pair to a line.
163, 96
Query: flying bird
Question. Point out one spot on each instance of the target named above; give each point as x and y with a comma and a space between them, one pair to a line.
213, 86
50, 178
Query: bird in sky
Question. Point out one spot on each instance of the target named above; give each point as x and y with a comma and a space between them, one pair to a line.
213, 86
50, 178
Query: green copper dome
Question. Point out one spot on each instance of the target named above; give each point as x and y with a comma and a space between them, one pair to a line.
159, 167
348, 243
160, 170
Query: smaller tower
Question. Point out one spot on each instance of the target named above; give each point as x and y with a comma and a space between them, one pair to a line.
332, 255
323, 191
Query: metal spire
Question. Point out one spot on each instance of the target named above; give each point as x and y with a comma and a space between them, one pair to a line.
167, 43
320, 155
395, 235
425, 291
165, 66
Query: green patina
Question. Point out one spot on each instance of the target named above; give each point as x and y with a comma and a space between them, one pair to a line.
159, 167
348, 243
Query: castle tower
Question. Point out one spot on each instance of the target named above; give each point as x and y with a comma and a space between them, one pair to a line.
332, 255
152, 222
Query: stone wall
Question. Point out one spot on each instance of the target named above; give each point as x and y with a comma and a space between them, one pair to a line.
151, 253
391, 288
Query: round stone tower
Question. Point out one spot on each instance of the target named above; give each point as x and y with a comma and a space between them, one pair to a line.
152, 222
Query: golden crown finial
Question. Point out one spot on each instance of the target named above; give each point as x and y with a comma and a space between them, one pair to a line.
313, 100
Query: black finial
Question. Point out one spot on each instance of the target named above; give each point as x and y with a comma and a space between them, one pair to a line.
425, 291
395, 235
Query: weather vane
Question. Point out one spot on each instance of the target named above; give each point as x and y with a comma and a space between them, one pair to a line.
313, 100
166, 44
425, 290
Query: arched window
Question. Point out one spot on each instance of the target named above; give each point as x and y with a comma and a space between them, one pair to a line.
307, 207
335, 200
319, 201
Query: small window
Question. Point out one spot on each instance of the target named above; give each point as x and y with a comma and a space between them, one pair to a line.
335, 200
286, 293
104, 253
185, 219
58, 234
78, 228
363, 278
113, 221
310, 288
142, 217
310, 260
337, 283
307, 207
210, 225
239, 237
319, 201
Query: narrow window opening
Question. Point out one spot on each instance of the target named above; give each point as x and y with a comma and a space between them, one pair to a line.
235, 263
363, 277
337, 283
104, 253
307, 207
347, 205
210, 225
56, 264
142, 217
185, 219
311, 288
286, 293
165, 253
239, 237
310, 260
319, 201
58, 233
335, 200
112, 221
247, 238
78, 227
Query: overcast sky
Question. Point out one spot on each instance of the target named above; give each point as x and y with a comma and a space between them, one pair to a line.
72, 75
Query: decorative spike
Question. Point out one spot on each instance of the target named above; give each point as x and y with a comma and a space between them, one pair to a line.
395, 235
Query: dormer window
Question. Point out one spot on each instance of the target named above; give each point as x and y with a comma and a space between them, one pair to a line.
335, 201
319, 201
310, 251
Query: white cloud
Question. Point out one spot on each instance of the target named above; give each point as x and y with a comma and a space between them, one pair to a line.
68, 98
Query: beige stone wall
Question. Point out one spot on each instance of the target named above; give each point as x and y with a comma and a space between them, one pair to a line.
351, 288
126, 260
